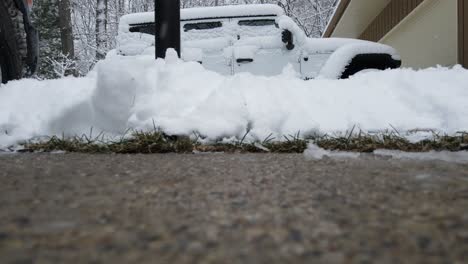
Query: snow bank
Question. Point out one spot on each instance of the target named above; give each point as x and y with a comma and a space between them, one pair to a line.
28, 107
183, 97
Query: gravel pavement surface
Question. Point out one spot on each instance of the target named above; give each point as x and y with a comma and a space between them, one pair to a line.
230, 208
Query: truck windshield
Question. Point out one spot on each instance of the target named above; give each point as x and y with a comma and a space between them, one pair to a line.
257, 22
202, 26
148, 28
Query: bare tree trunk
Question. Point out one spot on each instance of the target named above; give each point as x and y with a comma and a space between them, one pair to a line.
121, 7
100, 29
107, 15
66, 31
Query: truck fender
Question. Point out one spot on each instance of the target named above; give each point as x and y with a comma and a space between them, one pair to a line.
350, 59
370, 61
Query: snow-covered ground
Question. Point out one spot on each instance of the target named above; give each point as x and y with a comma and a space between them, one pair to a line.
182, 98
313, 152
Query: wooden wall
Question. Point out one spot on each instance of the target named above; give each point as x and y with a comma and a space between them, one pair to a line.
393, 14
463, 32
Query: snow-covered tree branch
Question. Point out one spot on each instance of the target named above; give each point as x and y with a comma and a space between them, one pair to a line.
94, 24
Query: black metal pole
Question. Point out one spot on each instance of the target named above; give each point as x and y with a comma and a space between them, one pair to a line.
167, 20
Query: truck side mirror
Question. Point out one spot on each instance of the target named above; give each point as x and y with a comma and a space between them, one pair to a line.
287, 38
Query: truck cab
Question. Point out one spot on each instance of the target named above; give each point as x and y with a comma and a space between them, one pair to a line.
258, 39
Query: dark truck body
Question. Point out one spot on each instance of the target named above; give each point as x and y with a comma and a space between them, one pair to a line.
18, 40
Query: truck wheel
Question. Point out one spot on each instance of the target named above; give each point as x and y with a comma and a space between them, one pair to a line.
11, 47
374, 62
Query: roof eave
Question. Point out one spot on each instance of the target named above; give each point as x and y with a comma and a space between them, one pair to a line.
340, 10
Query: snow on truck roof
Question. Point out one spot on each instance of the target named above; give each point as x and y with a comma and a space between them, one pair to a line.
200, 13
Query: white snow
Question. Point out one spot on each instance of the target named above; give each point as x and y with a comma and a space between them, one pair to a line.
28, 107
453, 157
314, 152
183, 97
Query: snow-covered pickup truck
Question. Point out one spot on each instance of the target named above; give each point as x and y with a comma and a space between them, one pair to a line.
258, 39
18, 40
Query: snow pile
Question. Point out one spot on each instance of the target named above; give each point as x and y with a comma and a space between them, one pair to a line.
314, 152
183, 97
28, 107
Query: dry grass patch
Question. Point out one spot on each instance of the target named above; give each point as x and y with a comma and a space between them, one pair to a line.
159, 142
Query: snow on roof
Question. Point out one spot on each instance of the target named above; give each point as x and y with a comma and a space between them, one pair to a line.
210, 12
231, 11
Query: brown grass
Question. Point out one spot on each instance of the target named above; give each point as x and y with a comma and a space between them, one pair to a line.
159, 142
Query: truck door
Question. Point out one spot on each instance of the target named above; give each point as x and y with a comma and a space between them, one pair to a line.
312, 63
205, 41
259, 49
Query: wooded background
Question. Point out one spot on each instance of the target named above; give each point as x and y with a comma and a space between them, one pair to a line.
75, 34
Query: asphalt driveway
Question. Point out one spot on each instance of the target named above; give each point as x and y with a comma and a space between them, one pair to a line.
230, 208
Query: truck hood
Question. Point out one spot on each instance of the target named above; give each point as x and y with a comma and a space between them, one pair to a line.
330, 45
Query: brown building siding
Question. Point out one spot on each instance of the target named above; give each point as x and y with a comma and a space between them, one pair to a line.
463, 32
392, 14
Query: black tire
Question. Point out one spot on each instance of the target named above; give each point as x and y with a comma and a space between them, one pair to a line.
10, 56
370, 61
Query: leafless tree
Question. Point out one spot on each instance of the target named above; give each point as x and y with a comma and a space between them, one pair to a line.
95, 22
100, 29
